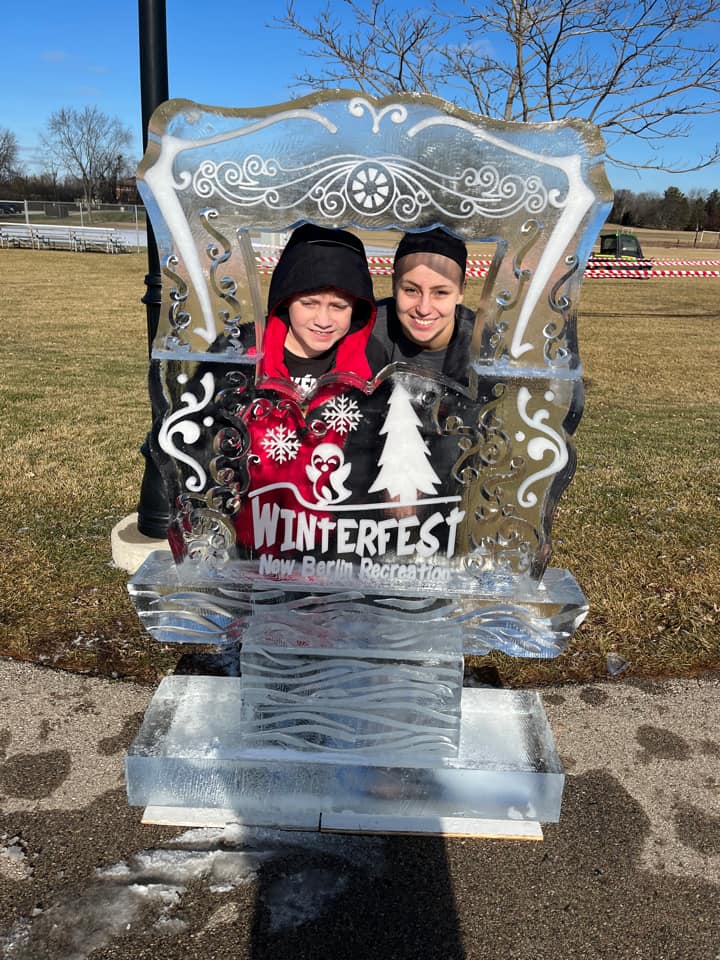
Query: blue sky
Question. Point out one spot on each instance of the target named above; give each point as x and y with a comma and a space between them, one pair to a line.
82, 52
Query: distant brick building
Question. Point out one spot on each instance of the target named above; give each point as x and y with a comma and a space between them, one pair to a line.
126, 191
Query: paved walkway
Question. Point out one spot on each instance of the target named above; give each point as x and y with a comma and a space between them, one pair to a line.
631, 871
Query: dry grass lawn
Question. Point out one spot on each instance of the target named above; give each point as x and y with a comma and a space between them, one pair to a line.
638, 526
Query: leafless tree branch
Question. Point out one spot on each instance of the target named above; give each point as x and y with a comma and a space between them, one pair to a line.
8, 154
643, 70
87, 144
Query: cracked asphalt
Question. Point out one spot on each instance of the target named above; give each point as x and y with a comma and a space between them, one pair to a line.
631, 871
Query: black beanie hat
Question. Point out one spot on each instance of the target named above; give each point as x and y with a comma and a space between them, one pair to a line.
319, 257
436, 240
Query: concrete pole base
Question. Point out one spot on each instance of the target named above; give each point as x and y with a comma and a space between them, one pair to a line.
130, 548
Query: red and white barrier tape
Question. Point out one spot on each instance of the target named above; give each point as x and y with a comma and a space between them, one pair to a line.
686, 263
685, 273
601, 263
478, 269
605, 274
653, 274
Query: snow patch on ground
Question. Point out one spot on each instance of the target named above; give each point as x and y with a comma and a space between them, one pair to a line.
14, 863
153, 883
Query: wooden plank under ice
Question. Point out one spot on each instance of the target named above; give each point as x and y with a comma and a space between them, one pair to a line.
431, 826
351, 823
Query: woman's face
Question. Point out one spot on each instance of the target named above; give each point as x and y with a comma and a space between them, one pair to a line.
318, 320
427, 288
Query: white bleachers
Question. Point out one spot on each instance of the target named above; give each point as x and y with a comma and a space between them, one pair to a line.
56, 237
17, 235
102, 239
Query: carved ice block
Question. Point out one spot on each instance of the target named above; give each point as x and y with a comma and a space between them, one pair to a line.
415, 523
191, 752
521, 617
436, 476
332, 674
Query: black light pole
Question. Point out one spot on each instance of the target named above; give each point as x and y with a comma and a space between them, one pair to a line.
153, 515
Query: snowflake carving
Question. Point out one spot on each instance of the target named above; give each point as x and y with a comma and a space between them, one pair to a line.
342, 414
281, 444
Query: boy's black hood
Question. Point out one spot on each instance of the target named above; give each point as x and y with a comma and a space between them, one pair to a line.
315, 258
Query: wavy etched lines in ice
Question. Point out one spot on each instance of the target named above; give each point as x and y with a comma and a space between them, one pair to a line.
252, 596
418, 604
354, 627
334, 703
220, 617
339, 620
513, 629
312, 604
196, 617
299, 674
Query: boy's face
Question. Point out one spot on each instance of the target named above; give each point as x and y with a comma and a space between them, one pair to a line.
317, 321
427, 288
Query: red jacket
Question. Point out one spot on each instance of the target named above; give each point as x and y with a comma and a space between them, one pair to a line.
297, 443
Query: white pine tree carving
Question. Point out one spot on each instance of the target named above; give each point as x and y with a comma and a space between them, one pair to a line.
404, 462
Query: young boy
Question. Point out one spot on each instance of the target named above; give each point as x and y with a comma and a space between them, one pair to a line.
321, 310
425, 323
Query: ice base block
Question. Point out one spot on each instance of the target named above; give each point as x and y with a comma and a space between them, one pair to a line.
191, 753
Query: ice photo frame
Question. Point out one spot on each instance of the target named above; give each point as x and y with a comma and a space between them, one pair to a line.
360, 539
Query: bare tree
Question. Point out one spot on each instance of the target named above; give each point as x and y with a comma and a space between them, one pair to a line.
386, 51
643, 70
87, 144
8, 155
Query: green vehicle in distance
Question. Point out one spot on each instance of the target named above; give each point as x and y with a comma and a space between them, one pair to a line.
620, 246
620, 251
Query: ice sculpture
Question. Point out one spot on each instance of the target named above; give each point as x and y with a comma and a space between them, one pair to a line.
415, 525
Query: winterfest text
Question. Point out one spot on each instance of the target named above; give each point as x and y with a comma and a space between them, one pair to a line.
285, 529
